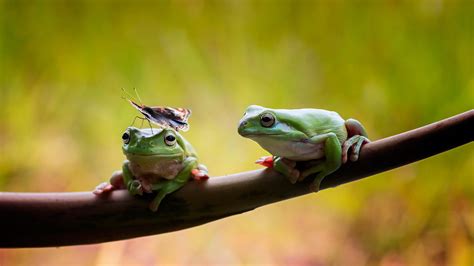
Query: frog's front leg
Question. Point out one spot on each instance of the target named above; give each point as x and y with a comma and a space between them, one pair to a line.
332, 150
134, 186
286, 167
357, 136
167, 187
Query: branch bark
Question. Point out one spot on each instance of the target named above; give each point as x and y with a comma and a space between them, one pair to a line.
59, 219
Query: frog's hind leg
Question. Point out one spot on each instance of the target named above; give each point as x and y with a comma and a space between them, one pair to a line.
172, 185
357, 136
166, 189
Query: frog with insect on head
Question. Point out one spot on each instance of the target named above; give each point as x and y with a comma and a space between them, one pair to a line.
295, 135
158, 160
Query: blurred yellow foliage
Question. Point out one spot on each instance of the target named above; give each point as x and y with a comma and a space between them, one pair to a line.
393, 65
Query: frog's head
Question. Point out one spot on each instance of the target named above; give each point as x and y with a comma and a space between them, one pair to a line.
259, 122
153, 143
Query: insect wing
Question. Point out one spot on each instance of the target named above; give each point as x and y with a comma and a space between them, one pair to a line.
177, 117
182, 113
178, 114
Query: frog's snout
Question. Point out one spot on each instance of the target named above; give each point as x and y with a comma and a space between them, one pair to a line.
242, 125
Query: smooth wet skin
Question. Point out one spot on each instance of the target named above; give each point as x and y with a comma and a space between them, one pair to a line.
293, 135
158, 160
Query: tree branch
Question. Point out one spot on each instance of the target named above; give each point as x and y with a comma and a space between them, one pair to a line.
58, 219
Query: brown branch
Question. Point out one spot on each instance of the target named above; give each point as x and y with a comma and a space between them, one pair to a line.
58, 219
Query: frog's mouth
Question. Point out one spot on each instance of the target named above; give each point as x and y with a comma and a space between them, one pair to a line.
153, 156
260, 135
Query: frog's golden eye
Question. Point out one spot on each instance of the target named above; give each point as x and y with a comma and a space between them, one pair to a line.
267, 120
170, 139
126, 138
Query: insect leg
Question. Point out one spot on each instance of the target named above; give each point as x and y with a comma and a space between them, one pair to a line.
133, 122
138, 117
150, 125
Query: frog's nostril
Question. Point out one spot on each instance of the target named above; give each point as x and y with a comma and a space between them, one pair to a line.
243, 124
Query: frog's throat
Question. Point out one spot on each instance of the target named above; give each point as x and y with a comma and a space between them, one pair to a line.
132, 156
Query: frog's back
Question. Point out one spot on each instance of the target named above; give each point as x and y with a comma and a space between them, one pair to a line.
314, 121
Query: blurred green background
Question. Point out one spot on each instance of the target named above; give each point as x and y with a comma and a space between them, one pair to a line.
393, 65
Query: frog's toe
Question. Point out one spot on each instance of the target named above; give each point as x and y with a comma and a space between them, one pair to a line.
352, 147
301, 177
345, 149
294, 176
136, 188
357, 146
344, 157
288, 162
199, 175
287, 168
314, 187
153, 206
354, 157
103, 188
266, 161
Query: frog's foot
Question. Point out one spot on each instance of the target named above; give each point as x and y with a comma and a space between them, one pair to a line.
320, 169
321, 174
287, 168
199, 175
314, 187
135, 188
103, 188
116, 183
155, 203
354, 144
266, 161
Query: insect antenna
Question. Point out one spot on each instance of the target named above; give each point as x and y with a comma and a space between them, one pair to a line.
130, 97
138, 96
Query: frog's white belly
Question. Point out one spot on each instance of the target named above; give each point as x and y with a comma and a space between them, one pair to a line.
148, 167
293, 150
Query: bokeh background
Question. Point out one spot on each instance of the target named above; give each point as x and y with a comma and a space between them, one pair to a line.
393, 65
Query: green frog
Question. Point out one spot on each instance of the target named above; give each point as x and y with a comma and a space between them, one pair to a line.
319, 137
158, 160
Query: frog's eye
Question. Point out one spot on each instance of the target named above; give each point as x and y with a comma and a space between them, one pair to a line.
170, 139
126, 138
267, 120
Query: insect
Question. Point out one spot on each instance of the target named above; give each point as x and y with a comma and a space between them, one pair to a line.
176, 118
